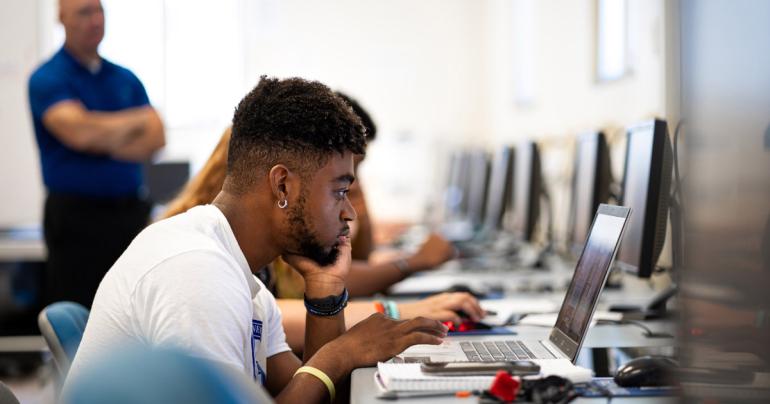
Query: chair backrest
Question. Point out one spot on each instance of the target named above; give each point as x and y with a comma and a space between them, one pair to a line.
6, 395
62, 325
141, 374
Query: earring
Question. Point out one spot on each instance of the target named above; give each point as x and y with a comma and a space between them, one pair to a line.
283, 204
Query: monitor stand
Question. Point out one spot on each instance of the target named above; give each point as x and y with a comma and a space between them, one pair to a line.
655, 309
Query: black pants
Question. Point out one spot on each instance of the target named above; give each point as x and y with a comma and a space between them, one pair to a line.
85, 236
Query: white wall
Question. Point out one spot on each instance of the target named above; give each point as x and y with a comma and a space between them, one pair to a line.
437, 74
566, 98
416, 66
20, 180
434, 74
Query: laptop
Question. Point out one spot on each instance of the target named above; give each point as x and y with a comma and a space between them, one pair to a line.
574, 317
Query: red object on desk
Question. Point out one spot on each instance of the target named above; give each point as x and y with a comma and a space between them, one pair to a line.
505, 387
465, 325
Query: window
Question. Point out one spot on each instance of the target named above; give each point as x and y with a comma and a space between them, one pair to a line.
611, 44
188, 55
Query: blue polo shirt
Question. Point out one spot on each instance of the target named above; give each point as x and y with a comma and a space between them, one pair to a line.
112, 88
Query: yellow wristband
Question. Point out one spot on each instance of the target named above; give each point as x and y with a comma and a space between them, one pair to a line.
321, 376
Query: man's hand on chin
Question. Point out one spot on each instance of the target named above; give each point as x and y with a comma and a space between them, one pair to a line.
323, 281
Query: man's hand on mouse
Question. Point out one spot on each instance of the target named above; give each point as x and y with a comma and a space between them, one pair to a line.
445, 307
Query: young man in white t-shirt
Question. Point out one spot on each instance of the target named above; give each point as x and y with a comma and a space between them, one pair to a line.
188, 281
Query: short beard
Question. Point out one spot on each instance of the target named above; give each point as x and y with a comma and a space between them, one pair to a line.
305, 239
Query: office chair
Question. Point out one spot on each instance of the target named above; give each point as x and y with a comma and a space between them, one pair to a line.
141, 374
62, 325
6, 395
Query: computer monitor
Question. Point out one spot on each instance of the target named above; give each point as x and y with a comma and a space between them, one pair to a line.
527, 190
478, 180
590, 187
499, 190
455, 202
590, 276
646, 187
165, 179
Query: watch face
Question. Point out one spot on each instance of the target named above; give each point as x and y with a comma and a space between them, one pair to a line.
326, 302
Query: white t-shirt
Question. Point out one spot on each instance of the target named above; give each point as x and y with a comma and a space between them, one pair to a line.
185, 282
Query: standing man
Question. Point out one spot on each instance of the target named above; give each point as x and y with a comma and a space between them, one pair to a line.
94, 127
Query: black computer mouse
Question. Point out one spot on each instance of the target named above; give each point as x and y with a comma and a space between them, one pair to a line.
459, 287
646, 371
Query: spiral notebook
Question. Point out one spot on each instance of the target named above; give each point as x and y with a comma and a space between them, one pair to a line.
409, 377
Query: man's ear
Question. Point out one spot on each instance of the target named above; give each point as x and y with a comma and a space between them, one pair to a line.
282, 183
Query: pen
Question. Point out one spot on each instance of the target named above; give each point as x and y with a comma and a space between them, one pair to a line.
395, 395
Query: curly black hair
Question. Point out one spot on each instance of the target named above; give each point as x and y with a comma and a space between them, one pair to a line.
366, 119
294, 122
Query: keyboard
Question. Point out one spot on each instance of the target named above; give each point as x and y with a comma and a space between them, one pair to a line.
492, 351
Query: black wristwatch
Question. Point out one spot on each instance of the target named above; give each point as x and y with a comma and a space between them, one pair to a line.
327, 306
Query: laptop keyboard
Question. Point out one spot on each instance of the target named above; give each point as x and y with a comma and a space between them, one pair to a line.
491, 351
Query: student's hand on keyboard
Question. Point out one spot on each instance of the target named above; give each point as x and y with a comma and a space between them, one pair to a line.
445, 307
379, 338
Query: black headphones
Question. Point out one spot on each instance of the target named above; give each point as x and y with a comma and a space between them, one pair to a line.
549, 390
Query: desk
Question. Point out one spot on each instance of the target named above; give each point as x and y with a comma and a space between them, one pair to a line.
22, 258
364, 390
23, 343
22, 245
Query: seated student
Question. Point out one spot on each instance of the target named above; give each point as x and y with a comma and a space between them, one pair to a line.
206, 184
188, 281
364, 279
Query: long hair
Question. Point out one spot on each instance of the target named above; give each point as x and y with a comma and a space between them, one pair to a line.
205, 186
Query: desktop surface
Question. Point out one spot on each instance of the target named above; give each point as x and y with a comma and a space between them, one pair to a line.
22, 244
625, 340
364, 389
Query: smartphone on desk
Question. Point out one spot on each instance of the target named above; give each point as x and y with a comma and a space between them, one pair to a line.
516, 368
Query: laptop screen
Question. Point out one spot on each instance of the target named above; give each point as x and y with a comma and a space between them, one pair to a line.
591, 271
